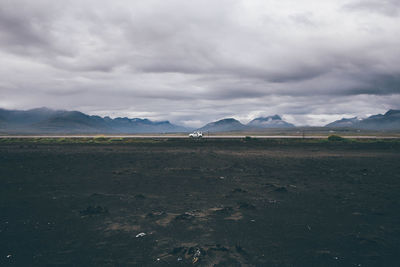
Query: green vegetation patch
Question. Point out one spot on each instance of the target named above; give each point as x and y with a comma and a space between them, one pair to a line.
336, 138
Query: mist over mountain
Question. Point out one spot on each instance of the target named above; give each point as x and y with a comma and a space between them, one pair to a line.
44, 120
270, 122
344, 122
388, 121
230, 124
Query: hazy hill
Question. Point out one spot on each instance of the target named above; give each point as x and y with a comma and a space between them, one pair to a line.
44, 120
72, 122
345, 122
137, 125
225, 125
270, 122
21, 117
388, 121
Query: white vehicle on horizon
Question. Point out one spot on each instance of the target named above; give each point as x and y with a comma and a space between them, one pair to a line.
196, 134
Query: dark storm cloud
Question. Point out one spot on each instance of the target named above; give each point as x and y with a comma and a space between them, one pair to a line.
379, 85
27, 29
18, 30
195, 61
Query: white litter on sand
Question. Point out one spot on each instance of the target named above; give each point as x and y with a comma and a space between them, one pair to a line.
140, 234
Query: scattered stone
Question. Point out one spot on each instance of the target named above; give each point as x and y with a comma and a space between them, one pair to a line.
154, 214
218, 247
239, 190
140, 196
281, 189
225, 210
323, 252
278, 188
196, 254
245, 205
240, 249
177, 250
235, 216
94, 210
187, 216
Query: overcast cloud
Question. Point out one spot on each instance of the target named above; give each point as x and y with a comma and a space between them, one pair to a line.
197, 61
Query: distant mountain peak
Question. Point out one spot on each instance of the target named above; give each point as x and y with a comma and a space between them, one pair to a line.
391, 112
224, 125
389, 121
343, 122
274, 121
227, 120
273, 117
46, 120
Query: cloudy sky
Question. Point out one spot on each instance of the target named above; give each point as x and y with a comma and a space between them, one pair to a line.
192, 61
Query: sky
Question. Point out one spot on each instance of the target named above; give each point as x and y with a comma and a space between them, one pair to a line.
192, 62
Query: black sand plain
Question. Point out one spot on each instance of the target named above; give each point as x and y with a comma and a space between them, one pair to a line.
85, 202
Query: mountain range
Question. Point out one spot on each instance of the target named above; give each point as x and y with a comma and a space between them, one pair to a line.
388, 121
44, 120
230, 124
